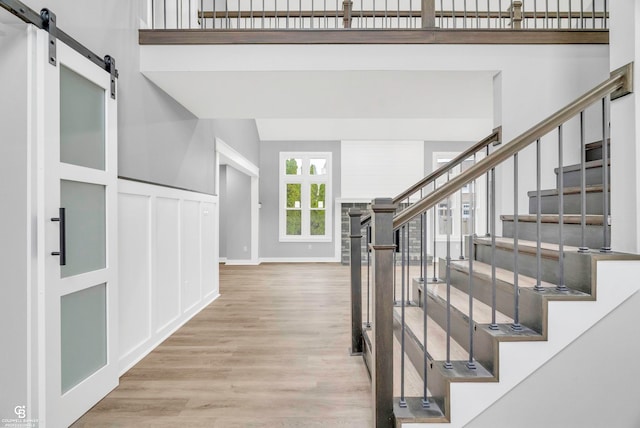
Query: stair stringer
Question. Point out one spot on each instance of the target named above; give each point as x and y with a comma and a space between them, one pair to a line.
567, 320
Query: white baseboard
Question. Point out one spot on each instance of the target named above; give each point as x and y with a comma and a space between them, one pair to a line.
300, 260
164, 337
222, 260
241, 262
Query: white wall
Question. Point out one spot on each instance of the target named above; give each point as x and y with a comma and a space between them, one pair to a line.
535, 81
238, 213
581, 376
239, 203
271, 249
625, 136
374, 169
222, 199
241, 135
592, 383
16, 361
168, 257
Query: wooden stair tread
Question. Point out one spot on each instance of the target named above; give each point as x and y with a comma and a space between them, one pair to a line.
596, 144
503, 275
548, 250
460, 300
596, 188
590, 219
587, 165
436, 335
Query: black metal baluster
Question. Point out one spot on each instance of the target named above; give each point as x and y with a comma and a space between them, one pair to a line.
403, 401
561, 286
447, 363
606, 248
538, 286
583, 191
516, 288
461, 220
369, 275
425, 400
487, 226
434, 259
422, 244
408, 244
471, 363
493, 325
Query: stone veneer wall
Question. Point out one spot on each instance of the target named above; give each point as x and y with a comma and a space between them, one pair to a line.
345, 245
414, 235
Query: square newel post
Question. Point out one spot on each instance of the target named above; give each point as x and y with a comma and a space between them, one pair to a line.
355, 236
428, 13
382, 248
347, 6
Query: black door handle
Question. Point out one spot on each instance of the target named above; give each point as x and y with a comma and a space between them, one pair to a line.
63, 237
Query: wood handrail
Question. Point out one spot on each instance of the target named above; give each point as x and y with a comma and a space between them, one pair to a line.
494, 137
618, 84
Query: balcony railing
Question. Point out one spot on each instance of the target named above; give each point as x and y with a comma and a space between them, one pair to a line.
377, 14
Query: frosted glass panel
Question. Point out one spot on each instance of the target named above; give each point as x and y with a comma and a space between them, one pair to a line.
86, 226
82, 121
83, 327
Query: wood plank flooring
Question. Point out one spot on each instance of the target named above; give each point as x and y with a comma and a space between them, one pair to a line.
272, 351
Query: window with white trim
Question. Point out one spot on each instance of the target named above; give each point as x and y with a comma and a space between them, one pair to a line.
454, 213
305, 196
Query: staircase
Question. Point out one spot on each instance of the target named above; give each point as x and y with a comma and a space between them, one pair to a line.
533, 303
452, 333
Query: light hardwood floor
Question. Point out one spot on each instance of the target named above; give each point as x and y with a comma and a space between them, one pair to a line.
272, 351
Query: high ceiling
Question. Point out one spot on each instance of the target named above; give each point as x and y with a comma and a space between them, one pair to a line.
333, 103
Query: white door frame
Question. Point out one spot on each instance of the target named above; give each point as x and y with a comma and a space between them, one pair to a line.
62, 408
236, 160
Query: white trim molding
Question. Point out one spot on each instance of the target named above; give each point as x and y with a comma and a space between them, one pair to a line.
232, 157
227, 155
299, 260
242, 262
168, 246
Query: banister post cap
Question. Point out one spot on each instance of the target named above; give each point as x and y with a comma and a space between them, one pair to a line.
383, 205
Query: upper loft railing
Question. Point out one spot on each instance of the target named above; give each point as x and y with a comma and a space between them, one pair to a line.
378, 14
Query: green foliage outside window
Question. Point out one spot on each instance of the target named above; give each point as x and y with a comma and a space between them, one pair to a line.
292, 167
317, 195
317, 222
317, 202
294, 217
294, 222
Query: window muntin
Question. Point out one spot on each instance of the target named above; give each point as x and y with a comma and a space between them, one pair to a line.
305, 196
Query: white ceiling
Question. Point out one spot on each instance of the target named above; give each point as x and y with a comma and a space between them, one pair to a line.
329, 94
336, 105
9, 22
385, 129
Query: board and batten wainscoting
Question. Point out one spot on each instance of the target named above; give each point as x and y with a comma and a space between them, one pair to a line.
168, 253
